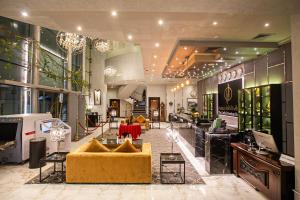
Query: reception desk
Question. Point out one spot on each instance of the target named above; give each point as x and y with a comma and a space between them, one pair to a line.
273, 178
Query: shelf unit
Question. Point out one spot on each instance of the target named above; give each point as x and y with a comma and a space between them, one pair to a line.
260, 108
209, 110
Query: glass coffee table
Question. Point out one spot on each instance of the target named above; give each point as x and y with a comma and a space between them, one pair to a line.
56, 157
175, 175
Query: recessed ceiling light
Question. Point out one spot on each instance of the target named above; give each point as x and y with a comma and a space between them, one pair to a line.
129, 37
176, 58
255, 49
114, 13
153, 64
267, 24
196, 51
215, 23
224, 49
236, 52
242, 58
257, 53
156, 44
79, 28
154, 56
24, 14
185, 48
160, 22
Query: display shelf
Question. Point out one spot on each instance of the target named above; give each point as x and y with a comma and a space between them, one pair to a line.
260, 109
209, 106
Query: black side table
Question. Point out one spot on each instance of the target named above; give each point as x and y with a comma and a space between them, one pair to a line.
56, 157
172, 177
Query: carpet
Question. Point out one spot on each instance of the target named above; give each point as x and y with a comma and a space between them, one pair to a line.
160, 144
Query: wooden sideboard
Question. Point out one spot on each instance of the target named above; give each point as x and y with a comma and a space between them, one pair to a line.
272, 177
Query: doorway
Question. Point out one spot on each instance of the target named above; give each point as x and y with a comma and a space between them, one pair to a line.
115, 104
154, 108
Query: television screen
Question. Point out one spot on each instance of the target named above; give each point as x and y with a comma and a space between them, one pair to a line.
8, 131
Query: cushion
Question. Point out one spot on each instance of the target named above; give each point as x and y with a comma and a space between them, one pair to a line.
126, 147
96, 146
140, 119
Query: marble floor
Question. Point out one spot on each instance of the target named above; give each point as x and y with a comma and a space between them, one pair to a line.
13, 177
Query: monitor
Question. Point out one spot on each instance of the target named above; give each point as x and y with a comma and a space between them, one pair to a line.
265, 141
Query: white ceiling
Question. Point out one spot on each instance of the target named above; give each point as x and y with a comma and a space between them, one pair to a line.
238, 20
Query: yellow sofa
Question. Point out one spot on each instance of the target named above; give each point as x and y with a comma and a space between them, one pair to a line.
142, 121
109, 167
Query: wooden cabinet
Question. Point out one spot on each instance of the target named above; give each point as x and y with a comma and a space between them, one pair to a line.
270, 176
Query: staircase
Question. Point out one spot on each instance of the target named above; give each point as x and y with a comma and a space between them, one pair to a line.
139, 108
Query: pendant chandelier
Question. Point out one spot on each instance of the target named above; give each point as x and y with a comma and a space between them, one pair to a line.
70, 41
102, 45
110, 71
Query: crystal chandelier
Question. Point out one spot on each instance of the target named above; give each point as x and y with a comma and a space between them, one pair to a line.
110, 71
70, 41
102, 45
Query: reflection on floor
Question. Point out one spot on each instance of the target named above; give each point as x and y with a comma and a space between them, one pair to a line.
13, 177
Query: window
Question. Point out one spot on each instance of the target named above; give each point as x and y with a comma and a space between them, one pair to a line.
15, 50
14, 100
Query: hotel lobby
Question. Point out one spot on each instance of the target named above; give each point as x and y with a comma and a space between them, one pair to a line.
194, 99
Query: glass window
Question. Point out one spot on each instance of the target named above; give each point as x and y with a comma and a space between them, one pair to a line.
15, 50
52, 60
77, 74
14, 100
50, 102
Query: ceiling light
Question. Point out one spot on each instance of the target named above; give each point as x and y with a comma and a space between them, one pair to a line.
182, 84
154, 56
267, 24
257, 53
196, 51
79, 28
255, 49
215, 23
129, 37
156, 44
224, 49
187, 82
185, 48
216, 36
176, 58
24, 14
114, 13
236, 52
160, 22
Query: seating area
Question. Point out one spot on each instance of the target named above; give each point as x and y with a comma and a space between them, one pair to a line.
149, 100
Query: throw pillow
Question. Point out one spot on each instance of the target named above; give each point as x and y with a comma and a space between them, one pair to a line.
126, 147
96, 146
140, 119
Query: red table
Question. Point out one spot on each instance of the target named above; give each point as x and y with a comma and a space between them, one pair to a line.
134, 130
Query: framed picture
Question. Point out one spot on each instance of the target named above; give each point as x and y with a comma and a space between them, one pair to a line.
192, 103
97, 97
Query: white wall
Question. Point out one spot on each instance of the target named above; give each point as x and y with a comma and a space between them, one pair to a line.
125, 107
156, 91
97, 82
180, 96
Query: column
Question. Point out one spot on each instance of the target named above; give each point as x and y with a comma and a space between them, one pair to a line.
295, 32
35, 68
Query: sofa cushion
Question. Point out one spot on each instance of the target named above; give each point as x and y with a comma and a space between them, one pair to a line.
140, 119
126, 147
96, 146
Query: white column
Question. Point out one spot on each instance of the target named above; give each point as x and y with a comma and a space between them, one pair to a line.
97, 81
295, 31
